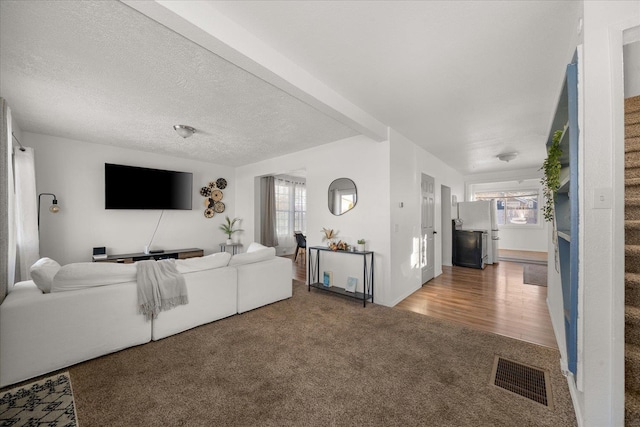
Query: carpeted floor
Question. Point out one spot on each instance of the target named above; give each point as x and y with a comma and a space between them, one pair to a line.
317, 360
534, 274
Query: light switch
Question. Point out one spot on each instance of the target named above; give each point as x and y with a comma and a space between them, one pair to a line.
396, 227
602, 198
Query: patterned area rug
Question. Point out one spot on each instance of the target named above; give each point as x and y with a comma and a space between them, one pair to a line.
534, 274
48, 402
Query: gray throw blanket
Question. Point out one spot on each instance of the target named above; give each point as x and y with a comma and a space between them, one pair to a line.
160, 287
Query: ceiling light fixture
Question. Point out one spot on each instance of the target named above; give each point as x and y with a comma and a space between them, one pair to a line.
184, 130
506, 157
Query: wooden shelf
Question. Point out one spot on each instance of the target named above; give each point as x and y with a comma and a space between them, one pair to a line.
565, 180
566, 207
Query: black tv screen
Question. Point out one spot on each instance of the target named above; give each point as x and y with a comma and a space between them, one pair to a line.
130, 187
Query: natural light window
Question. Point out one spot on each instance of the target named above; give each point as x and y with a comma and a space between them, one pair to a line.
514, 207
291, 207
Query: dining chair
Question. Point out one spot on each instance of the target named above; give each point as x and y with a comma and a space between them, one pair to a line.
301, 242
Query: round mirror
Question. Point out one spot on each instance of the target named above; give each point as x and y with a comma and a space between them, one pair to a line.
343, 196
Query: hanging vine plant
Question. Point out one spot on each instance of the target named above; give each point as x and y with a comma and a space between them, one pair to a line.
551, 179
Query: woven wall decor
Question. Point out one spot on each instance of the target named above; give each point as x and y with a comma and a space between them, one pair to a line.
212, 194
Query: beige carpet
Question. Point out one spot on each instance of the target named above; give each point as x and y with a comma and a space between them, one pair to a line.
632, 261
317, 360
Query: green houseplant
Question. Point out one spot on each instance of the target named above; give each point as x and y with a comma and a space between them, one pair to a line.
361, 243
551, 179
228, 229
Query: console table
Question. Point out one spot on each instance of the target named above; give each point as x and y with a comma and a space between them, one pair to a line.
367, 274
141, 256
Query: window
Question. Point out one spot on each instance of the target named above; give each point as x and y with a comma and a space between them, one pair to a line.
514, 207
291, 209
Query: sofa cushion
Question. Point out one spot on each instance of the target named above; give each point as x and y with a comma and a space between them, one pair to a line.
255, 246
89, 274
251, 257
208, 262
42, 273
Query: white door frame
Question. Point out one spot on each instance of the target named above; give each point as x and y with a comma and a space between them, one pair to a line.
427, 227
446, 233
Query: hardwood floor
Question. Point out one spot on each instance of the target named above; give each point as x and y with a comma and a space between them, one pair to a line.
299, 268
522, 256
493, 300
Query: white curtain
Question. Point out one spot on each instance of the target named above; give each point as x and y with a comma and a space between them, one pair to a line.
27, 241
11, 203
7, 259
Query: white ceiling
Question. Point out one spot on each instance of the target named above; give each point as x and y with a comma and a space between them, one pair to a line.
466, 80
104, 73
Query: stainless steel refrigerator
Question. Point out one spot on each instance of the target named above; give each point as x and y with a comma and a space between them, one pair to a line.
481, 216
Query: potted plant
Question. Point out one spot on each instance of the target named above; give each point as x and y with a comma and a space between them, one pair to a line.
228, 228
361, 243
551, 179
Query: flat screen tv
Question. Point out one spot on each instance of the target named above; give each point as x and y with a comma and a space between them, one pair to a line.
131, 187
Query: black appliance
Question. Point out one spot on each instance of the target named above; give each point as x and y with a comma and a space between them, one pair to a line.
130, 187
469, 248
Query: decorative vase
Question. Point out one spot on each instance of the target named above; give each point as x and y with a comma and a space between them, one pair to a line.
361, 247
229, 242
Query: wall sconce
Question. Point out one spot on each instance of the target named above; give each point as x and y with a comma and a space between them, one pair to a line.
54, 208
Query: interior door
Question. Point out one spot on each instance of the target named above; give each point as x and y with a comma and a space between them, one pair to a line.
427, 259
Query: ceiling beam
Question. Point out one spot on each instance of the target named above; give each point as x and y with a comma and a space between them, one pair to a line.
201, 23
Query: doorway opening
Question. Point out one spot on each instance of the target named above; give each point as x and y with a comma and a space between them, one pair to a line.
281, 214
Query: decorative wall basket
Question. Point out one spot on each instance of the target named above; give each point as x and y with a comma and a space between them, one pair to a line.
212, 194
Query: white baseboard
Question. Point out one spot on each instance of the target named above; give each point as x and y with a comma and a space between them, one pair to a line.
405, 295
573, 391
564, 367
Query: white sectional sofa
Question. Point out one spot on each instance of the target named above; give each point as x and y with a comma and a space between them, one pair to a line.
88, 313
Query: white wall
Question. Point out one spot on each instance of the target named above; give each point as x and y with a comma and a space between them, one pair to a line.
632, 69
360, 159
601, 403
408, 162
446, 228
74, 172
514, 238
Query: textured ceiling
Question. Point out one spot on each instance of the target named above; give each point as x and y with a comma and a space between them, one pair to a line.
466, 80
101, 72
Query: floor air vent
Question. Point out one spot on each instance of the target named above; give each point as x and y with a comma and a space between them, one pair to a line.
522, 380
